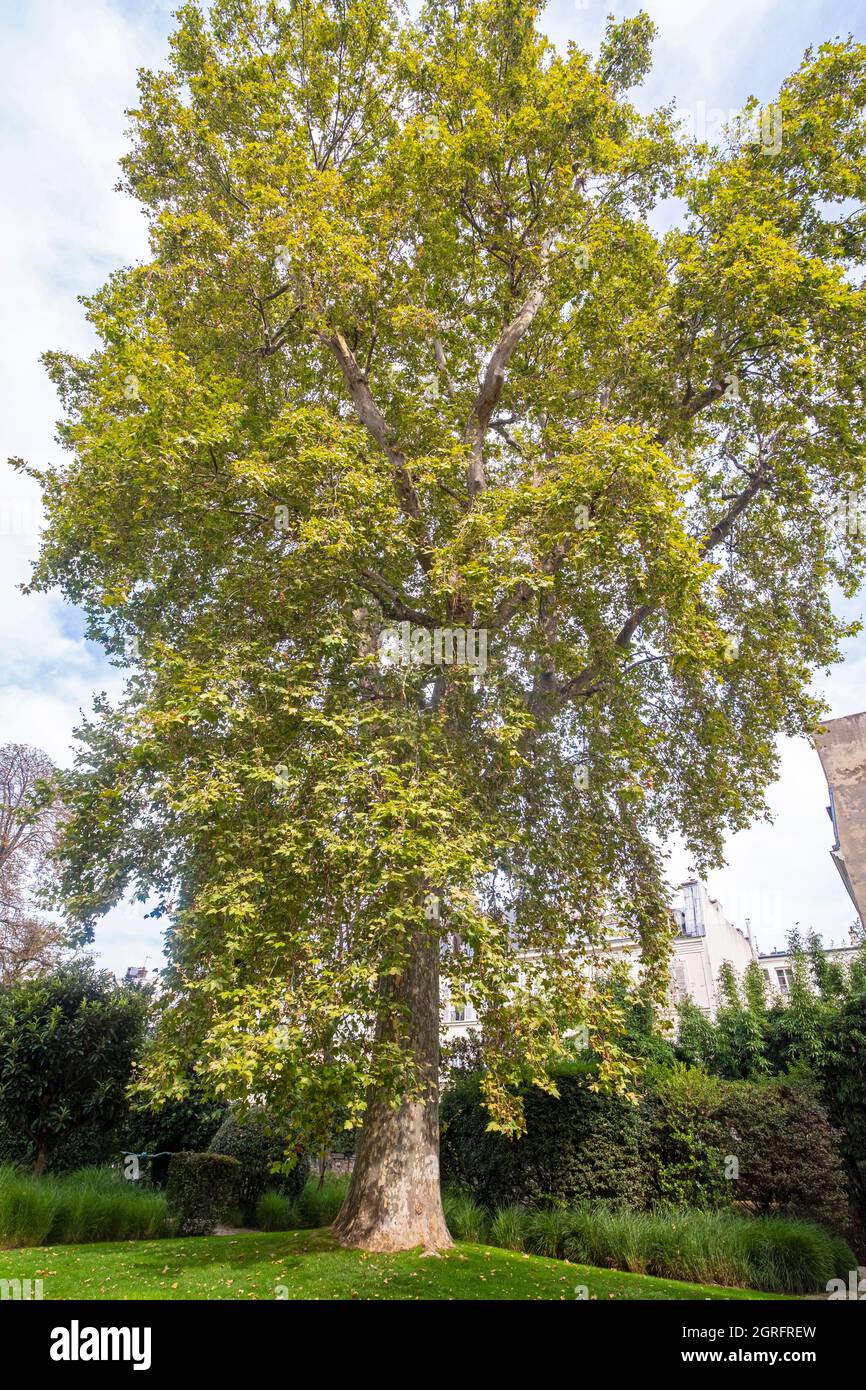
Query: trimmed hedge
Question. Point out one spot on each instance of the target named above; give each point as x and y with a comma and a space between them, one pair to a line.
202, 1189
582, 1145
176, 1126
692, 1141
249, 1137
766, 1146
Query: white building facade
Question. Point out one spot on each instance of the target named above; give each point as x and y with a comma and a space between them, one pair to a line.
705, 941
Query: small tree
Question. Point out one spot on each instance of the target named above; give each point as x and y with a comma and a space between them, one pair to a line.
67, 1044
741, 1025
696, 1036
30, 818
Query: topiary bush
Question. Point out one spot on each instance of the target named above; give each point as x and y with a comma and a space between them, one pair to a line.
201, 1190
580, 1145
251, 1138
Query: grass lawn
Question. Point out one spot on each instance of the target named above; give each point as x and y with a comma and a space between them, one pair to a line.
308, 1265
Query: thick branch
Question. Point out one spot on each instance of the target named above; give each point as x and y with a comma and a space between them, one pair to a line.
494, 378
388, 596
377, 427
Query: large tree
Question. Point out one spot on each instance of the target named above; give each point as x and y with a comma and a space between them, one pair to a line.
410, 347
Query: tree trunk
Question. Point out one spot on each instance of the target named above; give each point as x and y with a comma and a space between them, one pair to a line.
394, 1201
41, 1160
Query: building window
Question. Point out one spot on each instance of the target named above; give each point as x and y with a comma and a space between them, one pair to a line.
785, 976
680, 985
458, 1014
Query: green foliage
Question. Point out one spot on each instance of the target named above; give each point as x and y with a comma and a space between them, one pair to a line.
316, 1205
274, 1211
466, 1220
93, 1204
816, 1032
687, 1163
767, 1147
693, 1141
68, 1040
696, 1036
788, 1156
202, 1190
319, 1203
85, 1146
508, 1228
27, 1208
740, 1029
843, 1077
251, 1138
280, 447
767, 1253
578, 1143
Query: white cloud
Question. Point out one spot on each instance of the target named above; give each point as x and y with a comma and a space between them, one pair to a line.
68, 74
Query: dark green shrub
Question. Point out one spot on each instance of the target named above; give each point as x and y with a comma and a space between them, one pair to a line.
766, 1146
202, 1189
88, 1145
579, 1145
68, 1038
695, 1141
250, 1137
787, 1152
685, 1156
843, 1082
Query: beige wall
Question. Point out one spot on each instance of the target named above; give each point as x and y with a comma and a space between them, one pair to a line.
842, 750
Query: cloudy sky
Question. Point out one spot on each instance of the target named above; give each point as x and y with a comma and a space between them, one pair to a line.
69, 73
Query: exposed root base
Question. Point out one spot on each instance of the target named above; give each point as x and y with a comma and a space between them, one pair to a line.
386, 1242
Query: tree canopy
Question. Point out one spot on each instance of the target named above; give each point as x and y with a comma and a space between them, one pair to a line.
411, 348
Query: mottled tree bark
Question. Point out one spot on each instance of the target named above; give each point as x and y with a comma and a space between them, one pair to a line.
394, 1200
